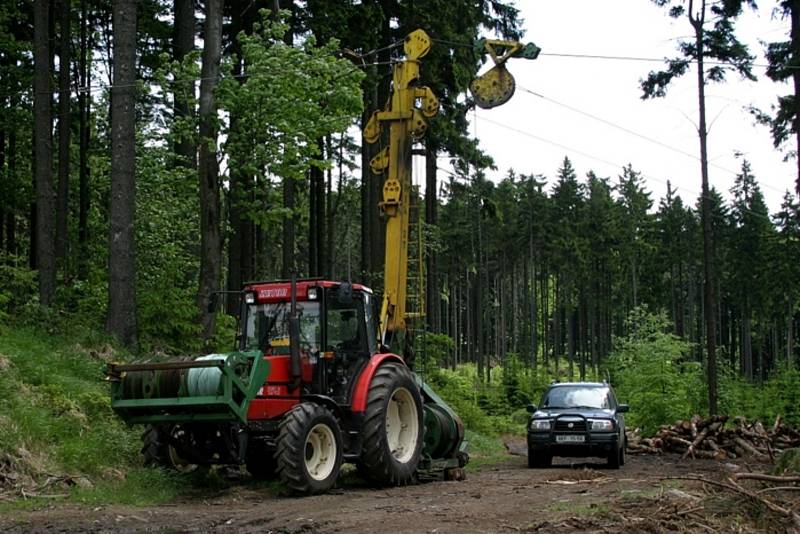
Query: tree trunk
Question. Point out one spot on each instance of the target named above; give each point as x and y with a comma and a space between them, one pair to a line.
330, 234
44, 257
287, 245
183, 94
794, 9
570, 311
121, 319
208, 169
708, 243
64, 132
11, 217
431, 266
789, 332
3, 193
367, 204
316, 218
84, 105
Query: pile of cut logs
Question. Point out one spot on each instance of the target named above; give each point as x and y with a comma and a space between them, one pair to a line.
714, 438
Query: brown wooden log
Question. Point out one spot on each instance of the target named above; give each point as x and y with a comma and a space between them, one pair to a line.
677, 444
691, 451
744, 445
711, 420
767, 478
693, 425
777, 425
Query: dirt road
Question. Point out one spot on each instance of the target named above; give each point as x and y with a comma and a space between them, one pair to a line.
506, 497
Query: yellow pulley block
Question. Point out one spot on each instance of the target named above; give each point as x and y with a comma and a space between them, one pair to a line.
494, 88
417, 126
417, 44
379, 163
372, 131
430, 104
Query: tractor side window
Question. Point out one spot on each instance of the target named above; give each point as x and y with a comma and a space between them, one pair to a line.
345, 327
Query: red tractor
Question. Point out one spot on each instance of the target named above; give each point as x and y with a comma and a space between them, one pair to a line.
310, 387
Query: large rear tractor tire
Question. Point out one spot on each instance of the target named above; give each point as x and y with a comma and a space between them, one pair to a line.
309, 449
159, 452
392, 432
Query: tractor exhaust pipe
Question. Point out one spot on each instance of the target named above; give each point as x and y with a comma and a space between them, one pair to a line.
294, 338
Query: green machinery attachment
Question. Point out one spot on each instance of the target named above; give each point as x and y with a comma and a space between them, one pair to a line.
218, 387
444, 451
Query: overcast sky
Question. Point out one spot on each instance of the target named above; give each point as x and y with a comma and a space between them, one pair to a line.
532, 134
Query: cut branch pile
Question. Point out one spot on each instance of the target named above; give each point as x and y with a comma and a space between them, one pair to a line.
773, 492
710, 438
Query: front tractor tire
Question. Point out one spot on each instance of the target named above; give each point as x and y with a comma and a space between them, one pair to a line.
392, 431
309, 449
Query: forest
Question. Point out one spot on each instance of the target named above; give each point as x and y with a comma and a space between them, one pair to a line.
153, 153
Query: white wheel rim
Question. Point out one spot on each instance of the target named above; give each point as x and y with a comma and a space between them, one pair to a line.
402, 425
320, 452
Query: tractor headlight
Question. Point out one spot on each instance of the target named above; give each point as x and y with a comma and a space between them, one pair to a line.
540, 424
601, 425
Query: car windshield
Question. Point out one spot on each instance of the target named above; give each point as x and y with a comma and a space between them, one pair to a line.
577, 397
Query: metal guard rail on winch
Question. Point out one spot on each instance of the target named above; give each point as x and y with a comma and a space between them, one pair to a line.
242, 374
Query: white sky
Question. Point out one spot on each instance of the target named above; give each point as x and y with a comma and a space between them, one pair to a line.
532, 135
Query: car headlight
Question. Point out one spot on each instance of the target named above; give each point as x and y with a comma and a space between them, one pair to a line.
601, 424
540, 424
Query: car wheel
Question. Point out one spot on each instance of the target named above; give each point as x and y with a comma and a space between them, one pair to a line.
615, 458
539, 459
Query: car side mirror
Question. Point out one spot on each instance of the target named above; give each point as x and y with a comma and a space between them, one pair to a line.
622, 408
531, 408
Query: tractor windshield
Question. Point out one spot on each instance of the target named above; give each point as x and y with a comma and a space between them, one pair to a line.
267, 327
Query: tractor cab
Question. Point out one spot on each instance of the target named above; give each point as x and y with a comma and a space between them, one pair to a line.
337, 333
334, 317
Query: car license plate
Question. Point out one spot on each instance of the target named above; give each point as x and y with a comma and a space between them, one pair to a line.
570, 438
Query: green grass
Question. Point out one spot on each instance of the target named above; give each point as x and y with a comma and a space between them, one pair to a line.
484, 450
57, 422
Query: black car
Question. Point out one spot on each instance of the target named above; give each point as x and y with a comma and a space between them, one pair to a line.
577, 419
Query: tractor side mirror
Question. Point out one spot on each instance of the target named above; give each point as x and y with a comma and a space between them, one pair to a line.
622, 408
531, 408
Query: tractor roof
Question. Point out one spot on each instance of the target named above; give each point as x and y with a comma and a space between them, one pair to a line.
281, 290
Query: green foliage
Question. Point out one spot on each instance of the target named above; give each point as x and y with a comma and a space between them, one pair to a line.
17, 285
288, 99
55, 403
481, 407
788, 462
434, 352
649, 371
